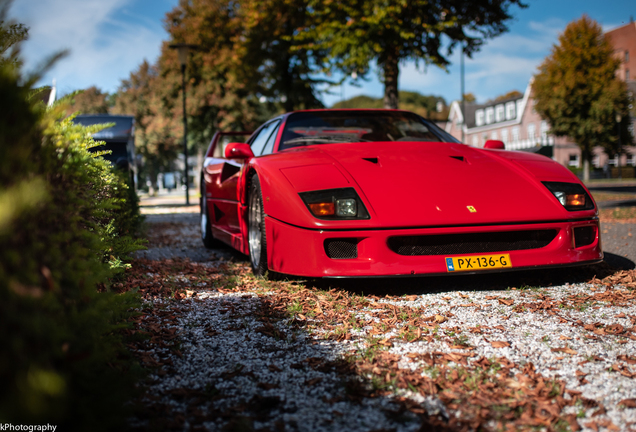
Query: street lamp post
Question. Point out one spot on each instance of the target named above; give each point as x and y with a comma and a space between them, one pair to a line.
463, 98
619, 118
183, 50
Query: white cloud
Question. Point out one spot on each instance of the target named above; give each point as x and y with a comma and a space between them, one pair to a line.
104, 44
505, 63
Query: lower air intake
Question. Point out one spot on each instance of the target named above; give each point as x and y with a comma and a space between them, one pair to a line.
453, 244
342, 248
584, 236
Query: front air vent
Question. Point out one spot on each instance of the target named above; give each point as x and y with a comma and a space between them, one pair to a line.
372, 160
228, 171
453, 244
584, 236
459, 158
341, 248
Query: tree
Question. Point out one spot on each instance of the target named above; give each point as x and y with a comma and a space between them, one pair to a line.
510, 95
357, 32
157, 132
11, 34
426, 106
469, 97
578, 93
89, 101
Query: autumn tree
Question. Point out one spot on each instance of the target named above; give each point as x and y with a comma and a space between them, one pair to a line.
89, 101
578, 93
283, 69
389, 32
157, 132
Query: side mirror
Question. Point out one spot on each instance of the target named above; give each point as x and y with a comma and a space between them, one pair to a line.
238, 151
495, 144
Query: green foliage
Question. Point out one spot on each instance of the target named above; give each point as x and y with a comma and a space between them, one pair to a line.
356, 33
65, 229
11, 34
89, 101
577, 91
426, 106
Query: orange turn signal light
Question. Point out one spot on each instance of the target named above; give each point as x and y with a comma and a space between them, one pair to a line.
577, 200
323, 209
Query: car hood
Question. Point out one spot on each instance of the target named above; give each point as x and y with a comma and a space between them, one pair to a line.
411, 184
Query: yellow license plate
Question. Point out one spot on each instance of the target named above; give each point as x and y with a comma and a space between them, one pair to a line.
478, 262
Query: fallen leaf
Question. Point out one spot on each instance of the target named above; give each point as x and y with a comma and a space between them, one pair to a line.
628, 403
440, 319
507, 302
499, 344
564, 350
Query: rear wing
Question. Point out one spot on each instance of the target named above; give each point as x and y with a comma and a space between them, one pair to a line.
220, 140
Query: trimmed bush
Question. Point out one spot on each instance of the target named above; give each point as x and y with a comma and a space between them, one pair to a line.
66, 229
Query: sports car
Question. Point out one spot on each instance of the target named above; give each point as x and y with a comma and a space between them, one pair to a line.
360, 193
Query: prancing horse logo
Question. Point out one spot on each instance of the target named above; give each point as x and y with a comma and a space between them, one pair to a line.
471, 209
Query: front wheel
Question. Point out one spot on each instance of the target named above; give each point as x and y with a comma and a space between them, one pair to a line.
256, 229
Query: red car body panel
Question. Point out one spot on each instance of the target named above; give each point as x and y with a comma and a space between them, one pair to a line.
409, 189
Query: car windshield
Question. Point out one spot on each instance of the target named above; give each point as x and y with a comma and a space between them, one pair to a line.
325, 127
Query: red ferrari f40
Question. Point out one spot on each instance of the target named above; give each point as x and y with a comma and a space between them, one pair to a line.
346, 193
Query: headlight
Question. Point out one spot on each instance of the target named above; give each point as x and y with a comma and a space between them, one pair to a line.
335, 204
572, 196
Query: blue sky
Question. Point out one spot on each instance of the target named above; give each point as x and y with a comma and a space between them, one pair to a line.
108, 39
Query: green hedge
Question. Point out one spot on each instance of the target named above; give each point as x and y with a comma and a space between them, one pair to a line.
66, 228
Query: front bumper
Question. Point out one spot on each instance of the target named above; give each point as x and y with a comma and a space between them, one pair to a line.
299, 251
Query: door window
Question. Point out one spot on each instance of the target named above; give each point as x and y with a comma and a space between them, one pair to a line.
258, 143
269, 146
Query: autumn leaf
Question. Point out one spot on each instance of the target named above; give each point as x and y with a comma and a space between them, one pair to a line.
628, 403
564, 350
499, 344
440, 319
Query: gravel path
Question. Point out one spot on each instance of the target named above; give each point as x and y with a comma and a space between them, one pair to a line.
527, 350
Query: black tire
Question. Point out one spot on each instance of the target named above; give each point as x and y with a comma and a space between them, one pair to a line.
206, 227
256, 234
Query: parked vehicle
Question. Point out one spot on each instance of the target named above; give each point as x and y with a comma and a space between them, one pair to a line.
341, 193
119, 140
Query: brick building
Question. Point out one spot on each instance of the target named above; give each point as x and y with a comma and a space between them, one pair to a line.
515, 122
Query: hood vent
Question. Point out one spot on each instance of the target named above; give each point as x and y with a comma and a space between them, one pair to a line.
372, 160
459, 158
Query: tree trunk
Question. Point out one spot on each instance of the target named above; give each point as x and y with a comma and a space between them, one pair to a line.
586, 164
391, 72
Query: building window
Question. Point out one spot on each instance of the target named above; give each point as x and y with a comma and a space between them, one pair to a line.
631, 159
493, 135
596, 161
475, 141
574, 160
519, 113
504, 135
626, 74
626, 56
544, 130
515, 134
499, 113
510, 111
490, 115
479, 117
531, 131
613, 161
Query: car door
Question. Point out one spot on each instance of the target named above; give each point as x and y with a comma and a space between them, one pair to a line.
221, 178
227, 202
